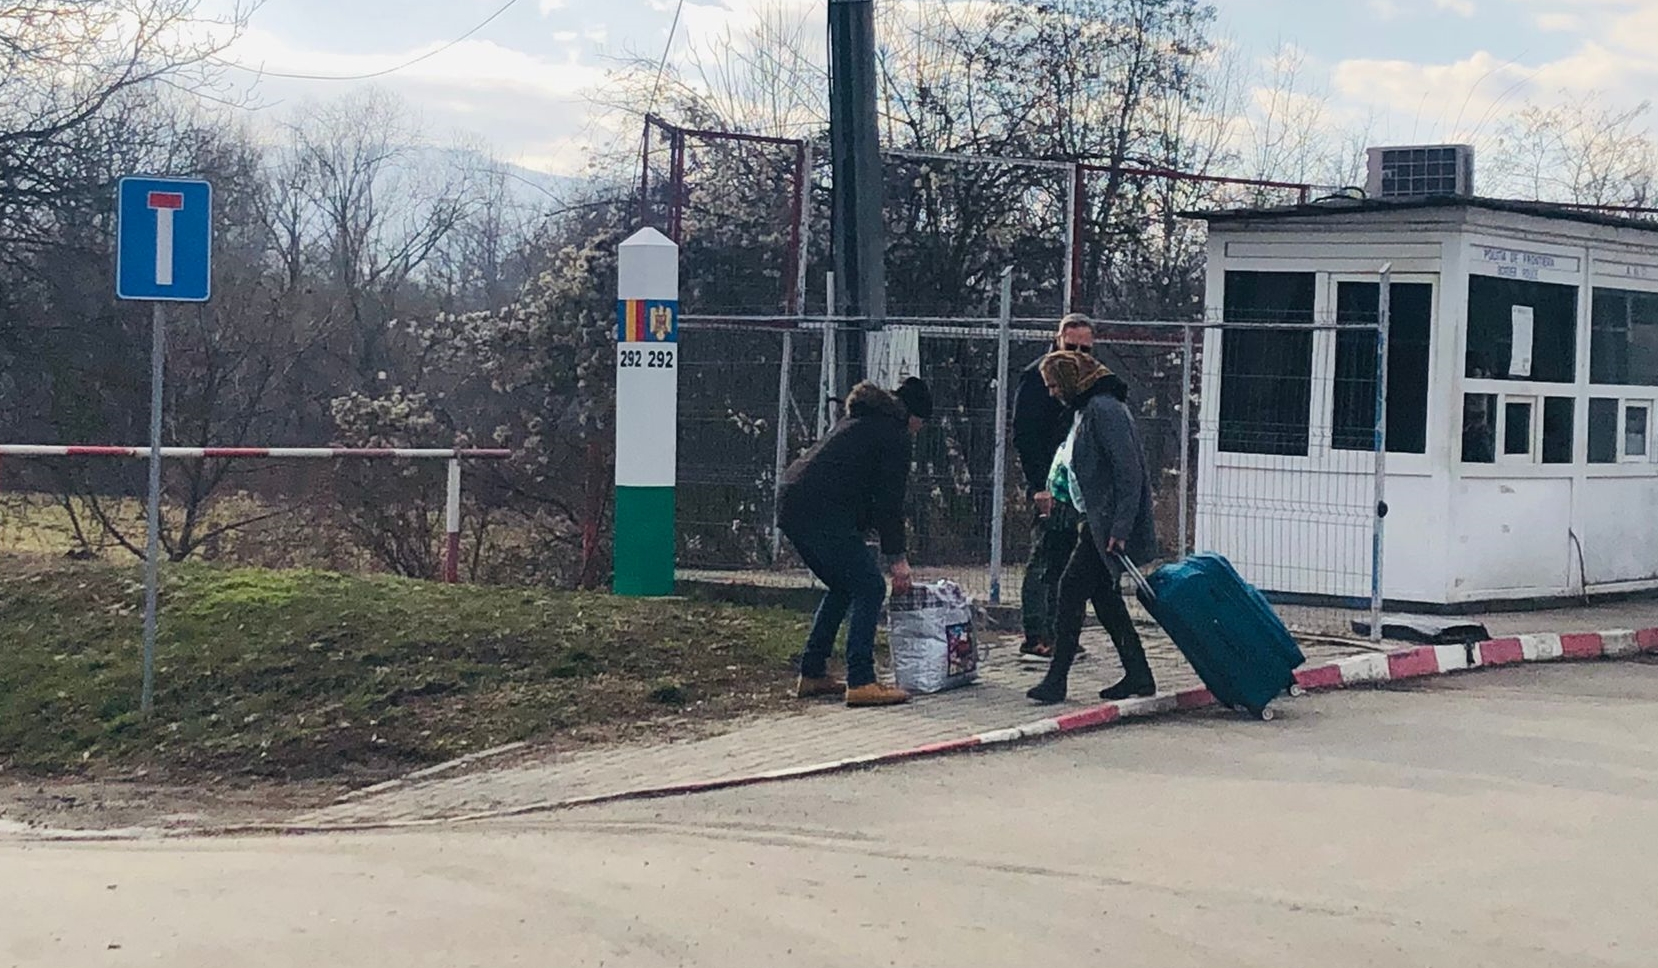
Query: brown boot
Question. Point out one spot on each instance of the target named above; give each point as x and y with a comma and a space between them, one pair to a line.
876, 694
814, 688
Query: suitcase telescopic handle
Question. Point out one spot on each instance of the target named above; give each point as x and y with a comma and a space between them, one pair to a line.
1139, 579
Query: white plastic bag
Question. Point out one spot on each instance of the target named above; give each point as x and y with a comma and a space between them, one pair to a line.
932, 637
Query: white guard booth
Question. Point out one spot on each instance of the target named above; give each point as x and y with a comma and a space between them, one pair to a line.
1523, 378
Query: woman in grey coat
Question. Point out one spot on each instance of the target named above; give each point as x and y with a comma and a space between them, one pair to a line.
1108, 484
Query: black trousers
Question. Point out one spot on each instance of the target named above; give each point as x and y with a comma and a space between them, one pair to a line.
1087, 577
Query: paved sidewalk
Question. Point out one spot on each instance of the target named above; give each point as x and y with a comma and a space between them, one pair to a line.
1327, 620
821, 732
1630, 614
827, 732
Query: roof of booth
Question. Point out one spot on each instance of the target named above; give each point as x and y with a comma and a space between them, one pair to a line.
1360, 206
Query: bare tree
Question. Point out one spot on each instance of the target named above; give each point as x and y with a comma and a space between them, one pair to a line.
1284, 124
1092, 82
483, 262
63, 64
381, 199
69, 70
766, 79
1583, 150
1281, 125
235, 360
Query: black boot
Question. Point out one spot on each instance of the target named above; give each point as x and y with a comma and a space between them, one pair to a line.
1129, 688
1050, 690
1137, 678
1053, 685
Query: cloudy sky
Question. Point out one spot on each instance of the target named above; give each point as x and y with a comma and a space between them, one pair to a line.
1432, 70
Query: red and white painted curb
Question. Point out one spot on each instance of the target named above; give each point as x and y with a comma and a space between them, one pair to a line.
1368, 669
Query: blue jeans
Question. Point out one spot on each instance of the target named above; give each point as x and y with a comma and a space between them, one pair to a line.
842, 561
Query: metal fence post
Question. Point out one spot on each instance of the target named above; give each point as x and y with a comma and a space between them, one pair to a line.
784, 383
1073, 227
802, 227
826, 368
1384, 309
780, 457
998, 476
1184, 544
452, 524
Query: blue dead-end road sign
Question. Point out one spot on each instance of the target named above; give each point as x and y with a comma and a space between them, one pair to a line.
164, 240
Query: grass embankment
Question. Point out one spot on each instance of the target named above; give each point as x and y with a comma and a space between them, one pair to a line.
306, 674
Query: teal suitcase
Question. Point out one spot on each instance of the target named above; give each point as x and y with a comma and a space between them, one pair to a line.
1225, 628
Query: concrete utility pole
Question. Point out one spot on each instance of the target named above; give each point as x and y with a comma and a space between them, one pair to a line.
858, 236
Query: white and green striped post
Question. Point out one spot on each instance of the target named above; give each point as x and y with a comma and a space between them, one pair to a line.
647, 413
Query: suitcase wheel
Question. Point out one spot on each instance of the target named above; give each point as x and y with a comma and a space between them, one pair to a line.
1295, 691
1265, 715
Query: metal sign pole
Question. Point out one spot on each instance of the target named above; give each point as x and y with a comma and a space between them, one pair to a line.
163, 253
152, 546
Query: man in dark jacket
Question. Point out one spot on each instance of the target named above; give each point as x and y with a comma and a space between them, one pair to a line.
852, 481
1109, 485
1040, 423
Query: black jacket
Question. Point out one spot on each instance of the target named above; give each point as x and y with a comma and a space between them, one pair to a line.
856, 477
1040, 424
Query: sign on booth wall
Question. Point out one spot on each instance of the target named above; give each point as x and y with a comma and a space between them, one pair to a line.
1523, 319
1524, 264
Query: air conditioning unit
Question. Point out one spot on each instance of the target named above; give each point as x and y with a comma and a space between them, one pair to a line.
1420, 171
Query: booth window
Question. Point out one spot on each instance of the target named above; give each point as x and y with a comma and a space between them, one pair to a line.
1637, 425
1620, 430
1519, 330
1517, 417
1479, 428
1410, 324
1266, 374
1558, 414
1603, 431
1623, 345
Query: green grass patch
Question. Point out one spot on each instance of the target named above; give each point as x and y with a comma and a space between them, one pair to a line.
309, 674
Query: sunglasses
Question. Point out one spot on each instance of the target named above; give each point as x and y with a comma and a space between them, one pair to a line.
1074, 348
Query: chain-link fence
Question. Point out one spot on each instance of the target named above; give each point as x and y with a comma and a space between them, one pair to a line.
1259, 435
1285, 450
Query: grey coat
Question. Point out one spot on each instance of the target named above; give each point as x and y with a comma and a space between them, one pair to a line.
1108, 466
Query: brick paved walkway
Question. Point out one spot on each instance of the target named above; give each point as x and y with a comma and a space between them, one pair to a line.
820, 732
1326, 620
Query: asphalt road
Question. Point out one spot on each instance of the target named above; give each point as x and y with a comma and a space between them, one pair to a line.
1501, 818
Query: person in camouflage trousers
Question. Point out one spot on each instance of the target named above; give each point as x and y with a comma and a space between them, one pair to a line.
1040, 424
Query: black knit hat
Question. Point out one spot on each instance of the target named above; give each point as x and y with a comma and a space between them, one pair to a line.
918, 400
